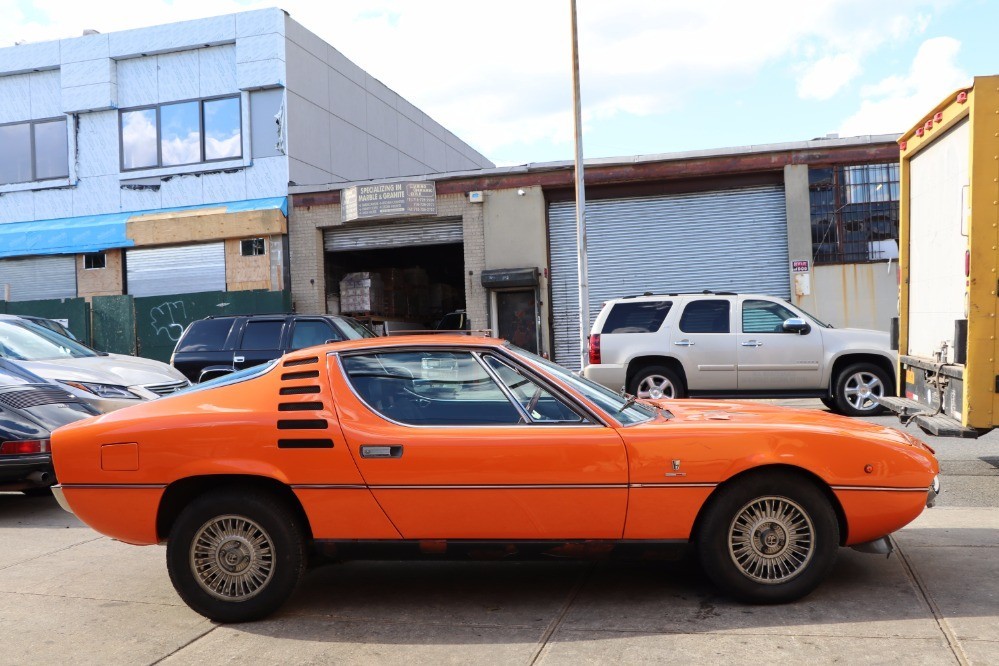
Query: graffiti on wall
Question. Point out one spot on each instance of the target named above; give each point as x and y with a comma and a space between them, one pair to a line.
169, 319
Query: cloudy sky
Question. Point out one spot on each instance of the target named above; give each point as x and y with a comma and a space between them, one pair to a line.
657, 75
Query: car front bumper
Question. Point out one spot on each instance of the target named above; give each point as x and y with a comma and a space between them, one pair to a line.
933, 492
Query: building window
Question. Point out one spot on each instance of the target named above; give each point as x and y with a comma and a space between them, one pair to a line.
854, 213
181, 133
95, 260
36, 150
252, 247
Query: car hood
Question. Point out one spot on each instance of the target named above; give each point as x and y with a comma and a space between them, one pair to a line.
874, 340
111, 369
772, 416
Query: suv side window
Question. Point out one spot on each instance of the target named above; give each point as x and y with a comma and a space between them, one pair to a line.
265, 334
312, 332
206, 335
764, 317
644, 317
706, 316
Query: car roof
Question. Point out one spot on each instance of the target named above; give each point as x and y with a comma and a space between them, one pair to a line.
650, 296
433, 340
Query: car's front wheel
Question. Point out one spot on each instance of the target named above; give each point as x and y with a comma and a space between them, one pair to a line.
768, 538
236, 556
858, 389
657, 382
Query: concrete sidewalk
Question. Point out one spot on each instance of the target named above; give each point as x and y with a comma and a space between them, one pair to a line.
69, 595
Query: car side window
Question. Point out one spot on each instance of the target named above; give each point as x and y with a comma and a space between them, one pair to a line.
537, 401
764, 317
429, 388
642, 317
706, 316
265, 334
309, 333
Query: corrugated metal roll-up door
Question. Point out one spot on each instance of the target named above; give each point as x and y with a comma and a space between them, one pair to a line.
393, 234
726, 240
182, 269
37, 278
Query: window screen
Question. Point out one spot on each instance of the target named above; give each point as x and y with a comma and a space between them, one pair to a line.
312, 333
262, 335
764, 317
430, 388
637, 317
706, 316
206, 335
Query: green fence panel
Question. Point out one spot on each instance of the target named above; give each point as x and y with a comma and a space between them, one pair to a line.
160, 320
75, 312
113, 324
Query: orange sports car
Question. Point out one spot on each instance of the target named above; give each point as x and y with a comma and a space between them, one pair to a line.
443, 443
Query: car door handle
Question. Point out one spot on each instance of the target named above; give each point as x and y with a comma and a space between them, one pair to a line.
752, 343
390, 451
683, 343
238, 359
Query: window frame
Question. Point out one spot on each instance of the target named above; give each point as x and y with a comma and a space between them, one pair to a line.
589, 418
263, 247
159, 133
728, 303
508, 391
102, 255
32, 147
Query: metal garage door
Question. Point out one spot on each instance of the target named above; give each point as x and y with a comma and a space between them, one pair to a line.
728, 240
182, 269
394, 234
36, 278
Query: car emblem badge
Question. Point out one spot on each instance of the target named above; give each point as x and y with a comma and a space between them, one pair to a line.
676, 467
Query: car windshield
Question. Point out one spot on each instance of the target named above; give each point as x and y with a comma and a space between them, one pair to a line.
623, 409
25, 341
353, 329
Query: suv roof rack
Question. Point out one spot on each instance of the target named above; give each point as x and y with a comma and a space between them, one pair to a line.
683, 293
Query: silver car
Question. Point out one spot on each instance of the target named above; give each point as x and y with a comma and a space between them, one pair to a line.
105, 381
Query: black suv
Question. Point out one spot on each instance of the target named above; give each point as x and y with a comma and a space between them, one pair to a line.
215, 346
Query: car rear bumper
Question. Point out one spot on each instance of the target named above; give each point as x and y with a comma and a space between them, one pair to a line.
610, 375
60, 497
26, 471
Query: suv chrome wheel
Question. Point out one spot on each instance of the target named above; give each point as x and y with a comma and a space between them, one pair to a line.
656, 387
862, 389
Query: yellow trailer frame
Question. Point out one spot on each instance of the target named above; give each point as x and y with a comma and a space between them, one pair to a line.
980, 104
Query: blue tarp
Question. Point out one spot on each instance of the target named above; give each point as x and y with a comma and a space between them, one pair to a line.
93, 233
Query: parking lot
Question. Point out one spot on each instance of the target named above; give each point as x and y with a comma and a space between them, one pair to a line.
68, 594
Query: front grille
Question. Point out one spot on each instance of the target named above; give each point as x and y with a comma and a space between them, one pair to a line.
166, 389
35, 397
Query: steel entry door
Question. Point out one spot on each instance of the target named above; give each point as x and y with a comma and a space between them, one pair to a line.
517, 318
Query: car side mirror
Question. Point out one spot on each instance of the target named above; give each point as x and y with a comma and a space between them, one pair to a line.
799, 326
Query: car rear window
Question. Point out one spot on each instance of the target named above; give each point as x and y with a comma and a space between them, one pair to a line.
644, 317
206, 335
262, 334
707, 316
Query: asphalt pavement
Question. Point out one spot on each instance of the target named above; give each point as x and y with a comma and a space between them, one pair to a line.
68, 594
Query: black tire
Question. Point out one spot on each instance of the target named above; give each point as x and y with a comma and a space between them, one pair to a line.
657, 374
830, 403
266, 519
728, 556
852, 381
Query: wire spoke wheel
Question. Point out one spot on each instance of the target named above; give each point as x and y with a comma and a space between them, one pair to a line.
232, 558
862, 390
656, 387
771, 540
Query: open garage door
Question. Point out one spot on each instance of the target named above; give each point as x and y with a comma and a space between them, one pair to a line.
725, 240
413, 272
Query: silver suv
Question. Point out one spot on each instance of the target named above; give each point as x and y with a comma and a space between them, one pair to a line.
724, 345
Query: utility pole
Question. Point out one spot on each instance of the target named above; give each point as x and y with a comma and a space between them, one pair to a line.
584, 287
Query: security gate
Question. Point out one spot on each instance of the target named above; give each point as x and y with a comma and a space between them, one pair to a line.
726, 240
181, 269
37, 278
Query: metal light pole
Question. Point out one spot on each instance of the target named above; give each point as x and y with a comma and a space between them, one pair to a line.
584, 287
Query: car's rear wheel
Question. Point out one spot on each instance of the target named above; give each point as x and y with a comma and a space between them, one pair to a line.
769, 538
235, 556
657, 382
830, 403
858, 388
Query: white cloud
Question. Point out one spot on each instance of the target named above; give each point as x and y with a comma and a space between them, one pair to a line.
827, 76
897, 102
498, 74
